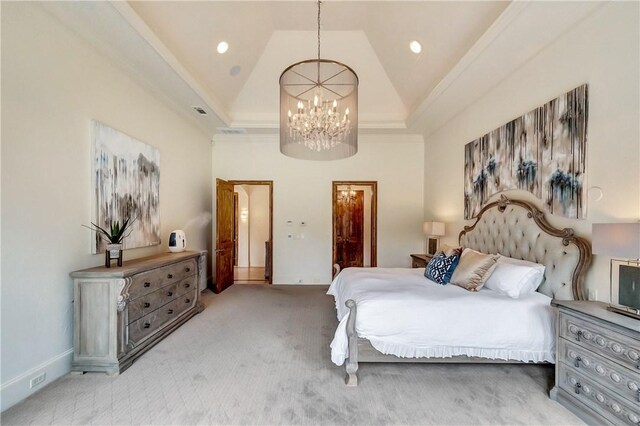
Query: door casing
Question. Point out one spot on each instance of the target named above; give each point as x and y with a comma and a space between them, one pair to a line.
374, 217
269, 183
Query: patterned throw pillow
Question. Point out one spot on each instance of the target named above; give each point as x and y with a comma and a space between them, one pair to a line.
440, 268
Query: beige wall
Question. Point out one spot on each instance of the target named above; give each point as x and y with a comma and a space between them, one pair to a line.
302, 193
53, 84
603, 51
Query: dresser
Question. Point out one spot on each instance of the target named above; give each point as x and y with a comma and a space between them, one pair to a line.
597, 363
120, 313
420, 260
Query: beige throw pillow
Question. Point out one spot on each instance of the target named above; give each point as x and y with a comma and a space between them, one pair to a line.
473, 270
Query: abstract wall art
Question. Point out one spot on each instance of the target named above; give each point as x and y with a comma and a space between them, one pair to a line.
543, 152
126, 182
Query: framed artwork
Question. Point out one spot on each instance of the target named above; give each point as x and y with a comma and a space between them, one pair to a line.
126, 185
544, 152
625, 285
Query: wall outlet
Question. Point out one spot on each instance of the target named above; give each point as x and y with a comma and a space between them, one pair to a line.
593, 294
37, 380
300, 281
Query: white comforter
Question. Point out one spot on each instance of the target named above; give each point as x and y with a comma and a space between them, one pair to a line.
403, 313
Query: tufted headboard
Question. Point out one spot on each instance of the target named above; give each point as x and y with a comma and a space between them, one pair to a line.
518, 229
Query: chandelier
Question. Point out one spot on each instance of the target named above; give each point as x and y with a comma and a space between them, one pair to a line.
348, 195
319, 109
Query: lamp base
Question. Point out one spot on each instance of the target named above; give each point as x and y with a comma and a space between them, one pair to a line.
630, 312
432, 245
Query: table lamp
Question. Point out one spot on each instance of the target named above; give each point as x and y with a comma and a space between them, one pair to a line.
433, 231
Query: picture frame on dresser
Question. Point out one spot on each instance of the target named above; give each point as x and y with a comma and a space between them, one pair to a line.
119, 314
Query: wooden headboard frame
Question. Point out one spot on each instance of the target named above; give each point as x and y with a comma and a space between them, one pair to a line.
581, 256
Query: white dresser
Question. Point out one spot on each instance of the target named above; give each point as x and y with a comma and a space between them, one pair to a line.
119, 313
597, 363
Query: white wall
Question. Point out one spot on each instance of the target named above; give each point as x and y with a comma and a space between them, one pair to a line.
603, 51
243, 226
53, 84
302, 193
258, 223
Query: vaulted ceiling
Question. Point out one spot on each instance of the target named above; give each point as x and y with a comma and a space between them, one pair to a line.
468, 47
266, 37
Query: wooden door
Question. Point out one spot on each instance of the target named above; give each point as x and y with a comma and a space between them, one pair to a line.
224, 235
349, 223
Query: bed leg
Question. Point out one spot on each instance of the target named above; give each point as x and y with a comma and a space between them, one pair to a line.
351, 365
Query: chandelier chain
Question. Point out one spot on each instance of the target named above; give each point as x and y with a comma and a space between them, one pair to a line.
319, 41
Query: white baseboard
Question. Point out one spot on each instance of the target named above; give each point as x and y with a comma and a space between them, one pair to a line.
17, 389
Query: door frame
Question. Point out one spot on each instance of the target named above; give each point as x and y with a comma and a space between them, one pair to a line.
269, 183
374, 217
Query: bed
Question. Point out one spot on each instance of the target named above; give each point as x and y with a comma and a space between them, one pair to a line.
396, 315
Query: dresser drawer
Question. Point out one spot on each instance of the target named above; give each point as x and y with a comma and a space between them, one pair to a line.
622, 380
148, 324
620, 348
605, 402
187, 285
152, 301
151, 281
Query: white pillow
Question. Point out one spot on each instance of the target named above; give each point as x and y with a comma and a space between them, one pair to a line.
515, 278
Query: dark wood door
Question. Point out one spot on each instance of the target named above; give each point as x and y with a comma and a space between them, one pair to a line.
224, 235
349, 223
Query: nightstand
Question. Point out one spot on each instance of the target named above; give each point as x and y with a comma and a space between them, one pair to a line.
597, 363
420, 260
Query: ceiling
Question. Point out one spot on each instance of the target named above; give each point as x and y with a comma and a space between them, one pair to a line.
468, 46
265, 37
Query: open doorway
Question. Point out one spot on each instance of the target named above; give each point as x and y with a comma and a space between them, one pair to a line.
252, 233
355, 223
244, 230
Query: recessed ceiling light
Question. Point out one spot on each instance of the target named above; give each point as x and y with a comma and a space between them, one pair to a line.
223, 46
415, 46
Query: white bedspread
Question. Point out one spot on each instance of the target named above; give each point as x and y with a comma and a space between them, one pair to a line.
403, 313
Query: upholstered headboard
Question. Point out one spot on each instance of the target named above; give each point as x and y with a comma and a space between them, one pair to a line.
518, 229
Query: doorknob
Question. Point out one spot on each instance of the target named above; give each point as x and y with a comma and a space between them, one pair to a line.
219, 250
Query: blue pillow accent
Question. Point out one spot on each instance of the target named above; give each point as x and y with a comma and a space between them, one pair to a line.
440, 268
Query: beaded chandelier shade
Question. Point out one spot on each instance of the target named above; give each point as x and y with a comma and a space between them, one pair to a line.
319, 109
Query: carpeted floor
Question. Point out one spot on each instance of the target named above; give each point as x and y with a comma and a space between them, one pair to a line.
260, 355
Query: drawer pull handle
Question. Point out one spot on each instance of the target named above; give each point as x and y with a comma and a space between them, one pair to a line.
147, 325
187, 285
169, 276
147, 284
577, 363
147, 304
579, 334
187, 269
187, 301
170, 311
169, 293
577, 387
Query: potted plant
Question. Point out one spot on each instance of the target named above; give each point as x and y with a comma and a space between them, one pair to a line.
113, 237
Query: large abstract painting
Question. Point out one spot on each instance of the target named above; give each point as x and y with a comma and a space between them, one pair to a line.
543, 152
126, 182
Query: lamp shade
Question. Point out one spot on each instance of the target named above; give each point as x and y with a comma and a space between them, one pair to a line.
437, 229
616, 239
426, 228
